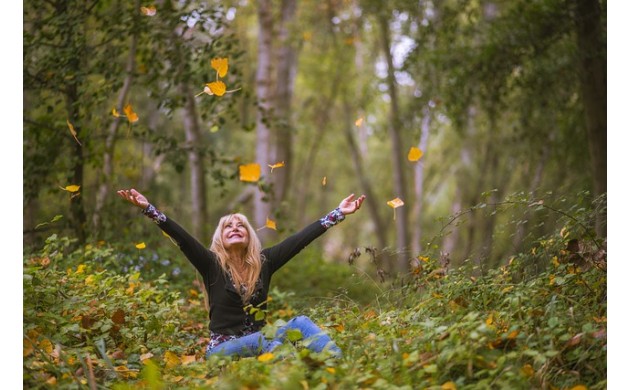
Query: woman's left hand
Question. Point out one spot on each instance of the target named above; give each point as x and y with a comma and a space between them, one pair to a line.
349, 205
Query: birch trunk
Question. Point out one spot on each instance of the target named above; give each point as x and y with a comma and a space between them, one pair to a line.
394, 129
262, 206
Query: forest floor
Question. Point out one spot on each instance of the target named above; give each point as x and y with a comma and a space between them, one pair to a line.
88, 326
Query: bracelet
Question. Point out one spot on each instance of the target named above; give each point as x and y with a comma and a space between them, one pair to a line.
152, 212
332, 218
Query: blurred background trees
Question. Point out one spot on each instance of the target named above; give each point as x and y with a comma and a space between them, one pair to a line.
506, 100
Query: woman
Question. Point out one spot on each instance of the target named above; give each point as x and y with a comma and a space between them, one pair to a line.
236, 272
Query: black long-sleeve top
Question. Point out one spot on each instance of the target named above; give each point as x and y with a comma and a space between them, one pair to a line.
228, 314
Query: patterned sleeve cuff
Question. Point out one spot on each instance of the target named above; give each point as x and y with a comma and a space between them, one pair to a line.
332, 218
156, 215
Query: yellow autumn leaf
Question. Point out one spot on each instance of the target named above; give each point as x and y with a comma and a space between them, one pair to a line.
89, 280
528, 370
71, 188
141, 245
73, 131
80, 269
115, 112
270, 224
46, 346
358, 122
330, 369
217, 87
148, 11
276, 165
395, 203
265, 357
324, 181
449, 386
220, 65
132, 117
171, 359
249, 172
187, 359
414, 154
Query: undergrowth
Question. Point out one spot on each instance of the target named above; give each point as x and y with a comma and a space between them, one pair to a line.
87, 325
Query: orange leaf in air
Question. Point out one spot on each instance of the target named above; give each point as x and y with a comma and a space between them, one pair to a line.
359, 122
271, 224
148, 11
276, 165
414, 154
249, 172
73, 132
220, 65
217, 88
324, 181
131, 116
71, 188
395, 203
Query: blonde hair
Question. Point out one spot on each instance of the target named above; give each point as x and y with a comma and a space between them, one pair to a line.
253, 261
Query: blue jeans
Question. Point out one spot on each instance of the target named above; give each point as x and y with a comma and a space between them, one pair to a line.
255, 344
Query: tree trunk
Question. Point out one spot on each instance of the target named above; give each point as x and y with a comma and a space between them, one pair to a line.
194, 146
592, 54
104, 188
262, 205
393, 128
416, 213
287, 64
366, 187
77, 159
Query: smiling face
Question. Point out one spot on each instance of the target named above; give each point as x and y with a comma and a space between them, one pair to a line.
235, 234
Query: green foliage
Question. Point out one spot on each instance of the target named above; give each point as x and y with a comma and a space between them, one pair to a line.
538, 321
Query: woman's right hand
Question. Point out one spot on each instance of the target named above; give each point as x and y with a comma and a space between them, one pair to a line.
134, 197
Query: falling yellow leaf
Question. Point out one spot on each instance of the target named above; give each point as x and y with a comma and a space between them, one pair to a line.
324, 181
141, 245
330, 369
148, 11
131, 116
276, 165
358, 122
115, 112
72, 131
220, 65
395, 203
265, 357
217, 87
414, 154
71, 188
249, 172
171, 359
270, 224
